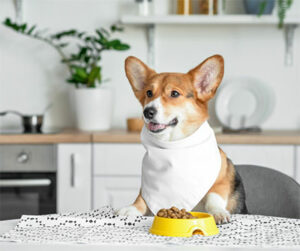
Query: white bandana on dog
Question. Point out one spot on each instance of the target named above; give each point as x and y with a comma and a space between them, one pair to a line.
179, 173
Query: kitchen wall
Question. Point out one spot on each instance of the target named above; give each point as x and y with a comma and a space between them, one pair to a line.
31, 75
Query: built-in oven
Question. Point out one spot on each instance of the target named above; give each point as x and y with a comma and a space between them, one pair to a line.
27, 180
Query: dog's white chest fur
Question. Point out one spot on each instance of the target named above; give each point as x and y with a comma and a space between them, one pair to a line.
179, 173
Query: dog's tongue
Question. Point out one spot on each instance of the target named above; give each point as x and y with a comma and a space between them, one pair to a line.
156, 127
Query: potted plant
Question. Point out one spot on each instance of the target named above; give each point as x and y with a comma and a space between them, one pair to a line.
265, 7
92, 101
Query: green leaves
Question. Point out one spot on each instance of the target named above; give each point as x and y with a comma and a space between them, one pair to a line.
31, 29
7, 22
114, 28
80, 72
68, 33
107, 44
83, 63
283, 6
262, 6
81, 76
117, 45
19, 27
93, 76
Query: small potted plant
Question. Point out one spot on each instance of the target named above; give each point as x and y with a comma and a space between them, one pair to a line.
92, 101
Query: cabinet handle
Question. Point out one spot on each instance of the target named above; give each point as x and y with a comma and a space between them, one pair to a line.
73, 165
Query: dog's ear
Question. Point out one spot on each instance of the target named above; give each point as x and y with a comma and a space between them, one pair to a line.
207, 76
137, 73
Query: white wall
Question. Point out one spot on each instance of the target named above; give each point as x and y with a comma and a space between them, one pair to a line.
31, 75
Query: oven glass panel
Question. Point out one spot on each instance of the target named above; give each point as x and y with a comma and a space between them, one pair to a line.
14, 205
24, 193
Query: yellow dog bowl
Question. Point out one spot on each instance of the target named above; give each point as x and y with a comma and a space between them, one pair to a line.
204, 224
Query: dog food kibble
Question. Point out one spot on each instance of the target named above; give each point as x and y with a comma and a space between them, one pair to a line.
175, 213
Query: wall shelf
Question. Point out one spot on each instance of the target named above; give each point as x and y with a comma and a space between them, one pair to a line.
150, 22
205, 19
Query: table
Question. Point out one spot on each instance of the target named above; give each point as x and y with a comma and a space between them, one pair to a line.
12, 246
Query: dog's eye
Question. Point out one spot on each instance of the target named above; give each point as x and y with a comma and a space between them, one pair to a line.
175, 94
149, 94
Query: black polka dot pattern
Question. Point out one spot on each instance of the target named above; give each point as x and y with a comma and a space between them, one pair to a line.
102, 226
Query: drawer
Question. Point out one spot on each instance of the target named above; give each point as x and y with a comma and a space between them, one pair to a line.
278, 157
116, 192
24, 158
118, 159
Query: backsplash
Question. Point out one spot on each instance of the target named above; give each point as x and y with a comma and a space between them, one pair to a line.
31, 75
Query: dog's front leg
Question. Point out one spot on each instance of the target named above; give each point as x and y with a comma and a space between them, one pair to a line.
216, 200
215, 203
138, 208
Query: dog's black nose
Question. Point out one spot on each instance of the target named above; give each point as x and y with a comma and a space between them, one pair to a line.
150, 112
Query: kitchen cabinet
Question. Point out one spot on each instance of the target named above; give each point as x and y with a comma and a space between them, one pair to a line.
118, 159
117, 172
74, 168
278, 157
115, 191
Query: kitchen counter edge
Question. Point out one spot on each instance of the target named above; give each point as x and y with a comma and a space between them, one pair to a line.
123, 136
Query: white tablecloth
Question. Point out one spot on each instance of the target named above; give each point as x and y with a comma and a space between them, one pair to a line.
103, 227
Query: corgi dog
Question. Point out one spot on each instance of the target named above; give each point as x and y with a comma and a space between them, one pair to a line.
175, 106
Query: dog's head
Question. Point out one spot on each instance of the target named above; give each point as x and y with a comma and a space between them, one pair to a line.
175, 104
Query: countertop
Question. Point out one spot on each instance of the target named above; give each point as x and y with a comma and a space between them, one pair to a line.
122, 136
264, 137
12, 246
62, 136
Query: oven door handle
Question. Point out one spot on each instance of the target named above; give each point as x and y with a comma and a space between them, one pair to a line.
24, 182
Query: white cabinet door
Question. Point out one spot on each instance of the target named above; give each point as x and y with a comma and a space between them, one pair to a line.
118, 159
74, 177
278, 157
115, 191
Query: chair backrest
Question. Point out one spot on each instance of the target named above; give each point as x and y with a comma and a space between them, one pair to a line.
269, 192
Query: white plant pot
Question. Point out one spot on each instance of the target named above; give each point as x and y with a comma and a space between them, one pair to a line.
93, 108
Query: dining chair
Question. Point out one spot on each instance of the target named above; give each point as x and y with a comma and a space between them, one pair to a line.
270, 192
